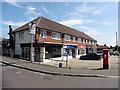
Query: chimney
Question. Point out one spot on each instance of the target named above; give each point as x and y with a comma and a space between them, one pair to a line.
10, 29
10, 36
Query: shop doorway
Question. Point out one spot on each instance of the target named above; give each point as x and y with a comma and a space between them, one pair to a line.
37, 54
25, 53
73, 53
52, 51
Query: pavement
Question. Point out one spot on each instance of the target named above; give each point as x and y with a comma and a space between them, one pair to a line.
77, 72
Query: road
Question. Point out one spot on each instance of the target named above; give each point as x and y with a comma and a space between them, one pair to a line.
20, 78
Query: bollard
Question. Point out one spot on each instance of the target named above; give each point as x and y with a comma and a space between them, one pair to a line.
105, 59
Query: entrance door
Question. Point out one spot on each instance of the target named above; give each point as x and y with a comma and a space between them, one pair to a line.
73, 53
87, 50
37, 54
25, 52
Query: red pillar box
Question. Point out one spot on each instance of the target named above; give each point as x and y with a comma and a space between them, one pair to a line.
105, 59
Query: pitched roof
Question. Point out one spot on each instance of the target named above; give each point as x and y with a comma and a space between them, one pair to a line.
54, 26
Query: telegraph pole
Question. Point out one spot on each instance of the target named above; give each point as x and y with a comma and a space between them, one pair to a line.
116, 42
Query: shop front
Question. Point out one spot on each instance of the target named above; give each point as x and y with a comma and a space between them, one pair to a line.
52, 51
69, 51
36, 49
81, 50
90, 49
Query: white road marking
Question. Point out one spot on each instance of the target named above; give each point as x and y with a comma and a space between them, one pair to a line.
39, 73
18, 72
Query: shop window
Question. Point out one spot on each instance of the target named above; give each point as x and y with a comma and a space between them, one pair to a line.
67, 37
55, 35
26, 53
81, 51
68, 52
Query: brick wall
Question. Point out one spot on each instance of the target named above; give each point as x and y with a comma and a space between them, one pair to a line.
49, 39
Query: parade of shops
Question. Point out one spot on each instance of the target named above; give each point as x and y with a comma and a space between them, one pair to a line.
51, 40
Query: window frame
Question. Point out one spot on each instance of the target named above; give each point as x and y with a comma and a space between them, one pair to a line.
42, 33
56, 33
66, 39
80, 40
74, 39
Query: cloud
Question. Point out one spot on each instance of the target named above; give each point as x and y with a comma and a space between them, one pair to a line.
107, 23
13, 23
13, 2
85, 8
45, 9
90, 31
74, 22
31, 13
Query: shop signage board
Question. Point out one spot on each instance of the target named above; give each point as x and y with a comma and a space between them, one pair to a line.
70, 46
32, 28
81, 46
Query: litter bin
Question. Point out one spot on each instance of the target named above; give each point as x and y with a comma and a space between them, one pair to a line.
60, 65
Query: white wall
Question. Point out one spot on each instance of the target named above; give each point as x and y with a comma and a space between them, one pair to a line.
27, 39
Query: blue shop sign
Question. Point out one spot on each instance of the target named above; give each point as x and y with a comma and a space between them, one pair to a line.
70, 46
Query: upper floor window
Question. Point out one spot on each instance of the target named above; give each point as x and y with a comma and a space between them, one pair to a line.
79, 40
89, 41
95, 42
21, 35
74, 39
55, 35
67, 37
92, 42
44, 33
83, 41
86, 41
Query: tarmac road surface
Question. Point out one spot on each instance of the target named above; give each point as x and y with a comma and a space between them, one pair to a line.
20, 78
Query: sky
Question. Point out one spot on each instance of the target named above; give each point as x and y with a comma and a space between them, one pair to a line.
97, 19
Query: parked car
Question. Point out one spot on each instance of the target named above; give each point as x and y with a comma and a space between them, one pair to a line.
91, 56
116, 53
100, 53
